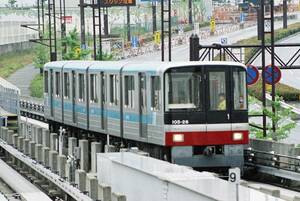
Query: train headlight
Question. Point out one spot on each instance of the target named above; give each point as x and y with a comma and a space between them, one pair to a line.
178, 138
237, 136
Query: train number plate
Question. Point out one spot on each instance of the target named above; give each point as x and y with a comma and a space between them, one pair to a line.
178, 122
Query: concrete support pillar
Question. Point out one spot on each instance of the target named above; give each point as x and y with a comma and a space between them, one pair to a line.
70, 172
53, 142
92, 186
15, 140
46, 138
61, 165
39, 135
72, 143
104, 192
32, 149
38, 153
45, 155
53, 160
96, 147
80, 179
118, 197
1, 133
4, 133
33, 133
84, 157
26, 147
21, 129
10, 134
20, 145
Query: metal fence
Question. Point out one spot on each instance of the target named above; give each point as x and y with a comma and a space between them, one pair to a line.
9, 97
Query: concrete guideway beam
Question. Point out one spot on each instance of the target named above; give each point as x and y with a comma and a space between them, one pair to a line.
52, 177
23, 187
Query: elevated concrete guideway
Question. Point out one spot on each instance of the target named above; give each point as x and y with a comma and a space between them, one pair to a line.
22, 186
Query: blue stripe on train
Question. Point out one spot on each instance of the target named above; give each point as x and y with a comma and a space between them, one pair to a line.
132, 117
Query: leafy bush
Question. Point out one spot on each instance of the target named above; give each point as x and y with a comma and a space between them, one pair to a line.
37, 87
282, 119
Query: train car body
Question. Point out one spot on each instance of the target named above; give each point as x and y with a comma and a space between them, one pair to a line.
192, 113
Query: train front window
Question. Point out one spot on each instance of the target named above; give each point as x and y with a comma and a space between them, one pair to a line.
239, 89
182, 89
217, 90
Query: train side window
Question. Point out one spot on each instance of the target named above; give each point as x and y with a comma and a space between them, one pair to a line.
103, 90
217, 90
57, 84
81, 86
239, 89
129, 91
66, 86
155, 93
94, 88
46, 84
113, 82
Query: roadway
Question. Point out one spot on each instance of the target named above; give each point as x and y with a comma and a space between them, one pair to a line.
181, 53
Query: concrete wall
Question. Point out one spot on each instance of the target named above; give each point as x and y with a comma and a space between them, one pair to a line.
277, 147
15, 47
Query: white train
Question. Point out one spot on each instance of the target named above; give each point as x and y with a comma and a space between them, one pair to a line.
191, 113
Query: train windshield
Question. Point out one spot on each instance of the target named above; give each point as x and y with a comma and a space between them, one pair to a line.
182, 87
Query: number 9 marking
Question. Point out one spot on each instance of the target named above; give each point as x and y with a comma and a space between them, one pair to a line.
232, 177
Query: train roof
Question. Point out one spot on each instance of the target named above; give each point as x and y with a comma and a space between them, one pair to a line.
149, 67
160, 67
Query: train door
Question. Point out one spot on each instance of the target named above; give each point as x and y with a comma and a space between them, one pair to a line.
51, 94
103, 101
239, 112
142, 105
74, 96
217, 100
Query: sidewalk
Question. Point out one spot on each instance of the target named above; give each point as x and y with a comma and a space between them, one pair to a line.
23, 77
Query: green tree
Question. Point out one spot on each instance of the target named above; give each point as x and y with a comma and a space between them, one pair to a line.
12, 3
105, 56
282, 119
72, 43
41, 56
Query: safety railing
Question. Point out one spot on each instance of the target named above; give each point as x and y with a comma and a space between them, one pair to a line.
32, 110
271, 159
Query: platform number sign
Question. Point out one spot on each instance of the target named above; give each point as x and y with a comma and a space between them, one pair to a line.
234, 175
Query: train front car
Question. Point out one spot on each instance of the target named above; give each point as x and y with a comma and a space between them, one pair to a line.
206, 114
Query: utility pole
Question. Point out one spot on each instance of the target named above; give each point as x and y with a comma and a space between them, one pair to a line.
128, 23
154, 26
105, 19
62, 16
190, 12
82, 24
284, 9
262, 25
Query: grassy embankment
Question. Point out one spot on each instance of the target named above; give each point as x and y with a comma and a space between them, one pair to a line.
13, 61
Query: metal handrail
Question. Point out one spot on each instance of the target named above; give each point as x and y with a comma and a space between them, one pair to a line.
272, 159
